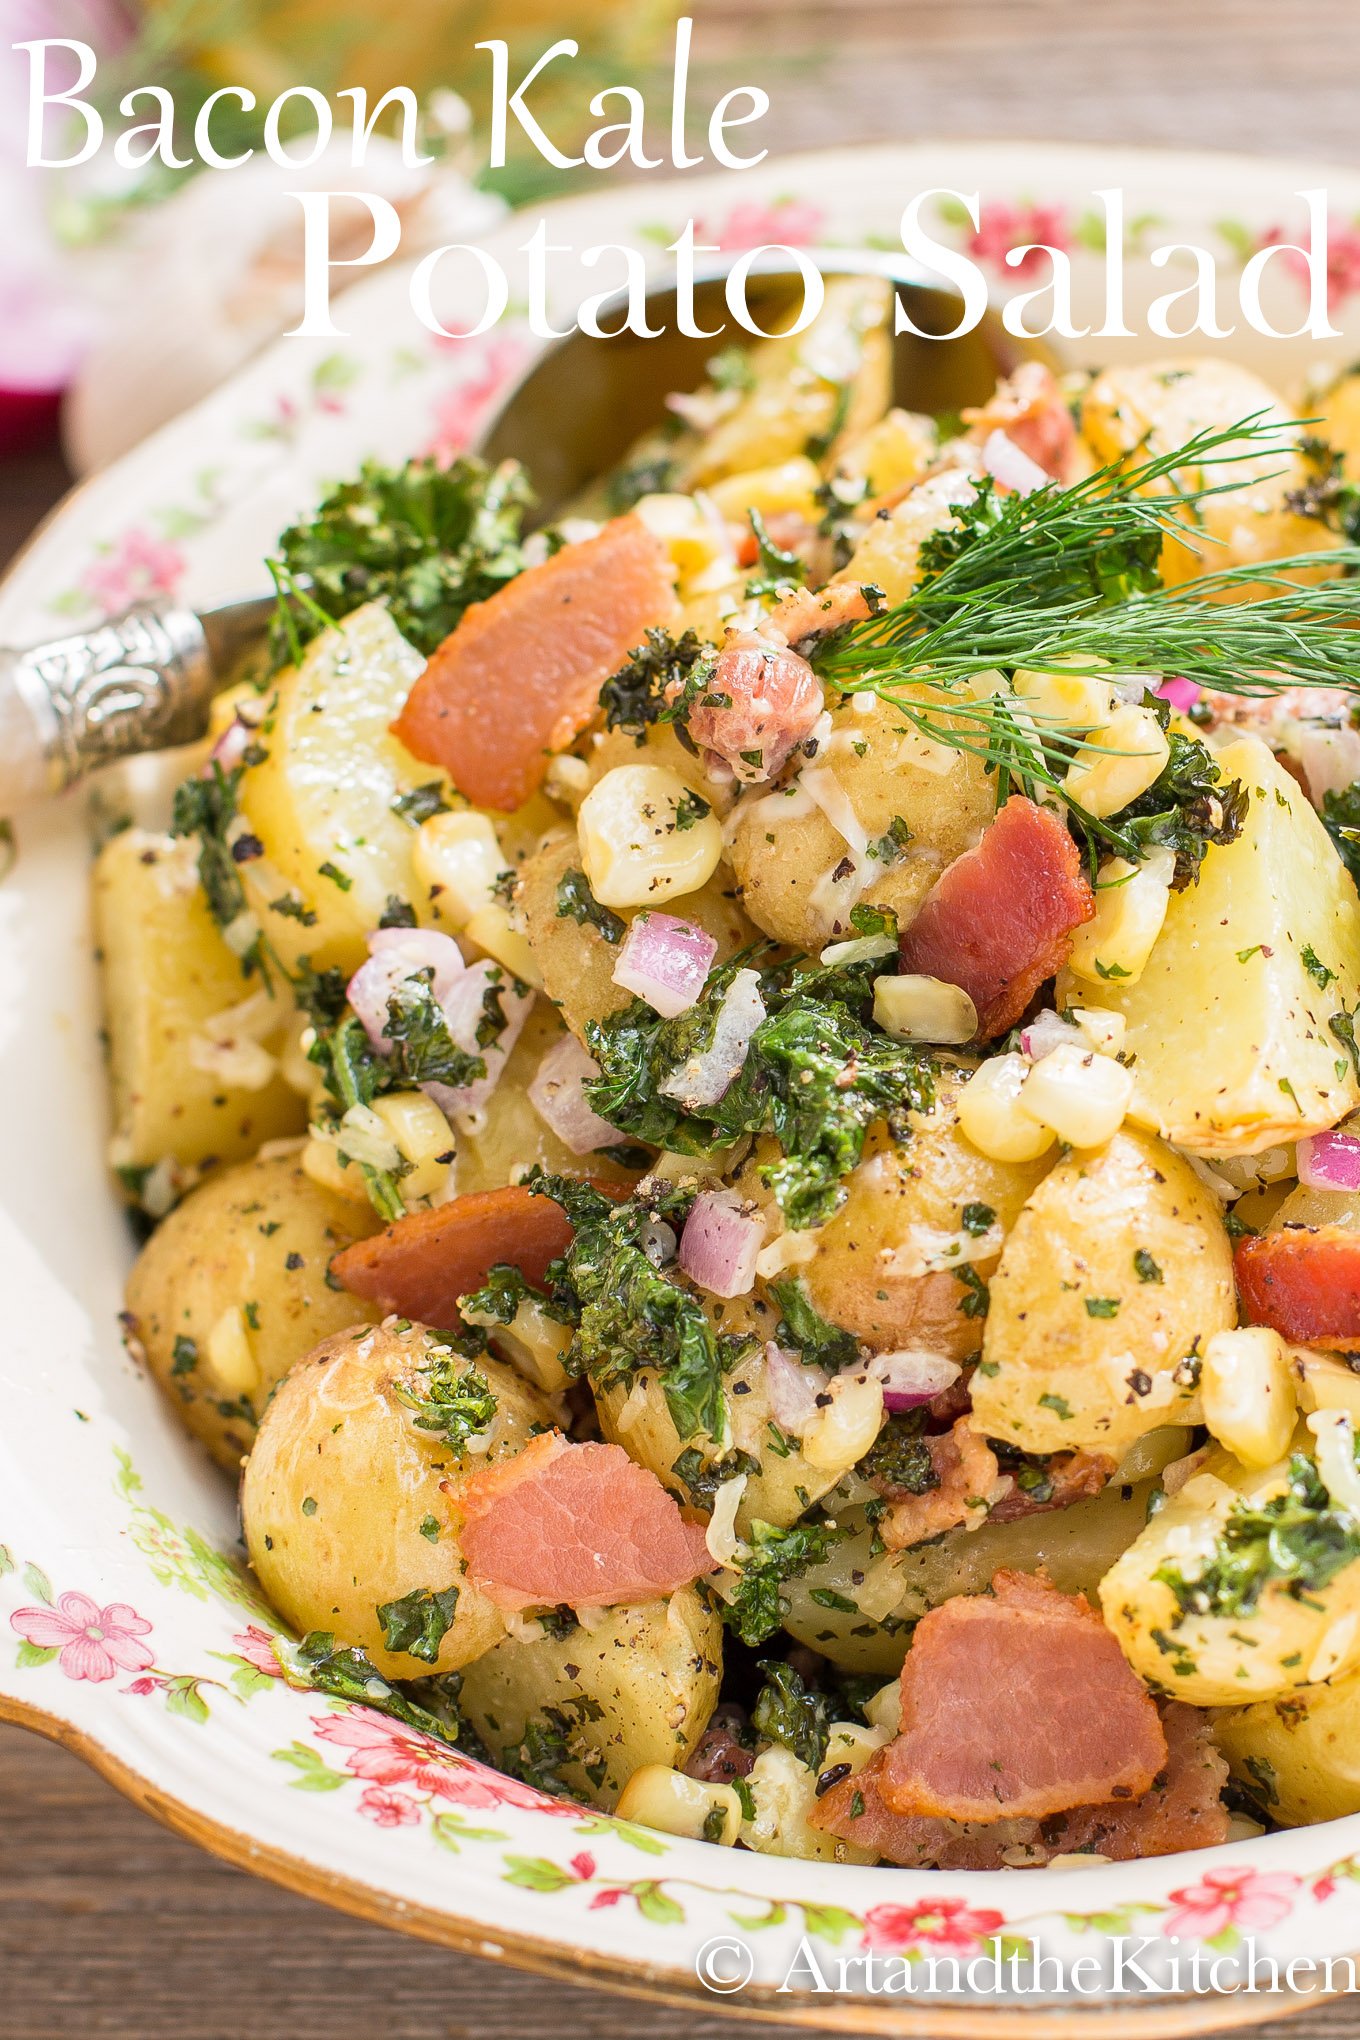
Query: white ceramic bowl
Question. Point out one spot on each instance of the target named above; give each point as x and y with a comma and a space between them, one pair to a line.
128, 1628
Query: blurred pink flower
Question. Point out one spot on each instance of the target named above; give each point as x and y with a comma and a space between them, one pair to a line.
1343, 260
389, 1809
136, 566
256, 1646
786, 223
387, 1753
93, 1642
461, 409
1231, 1898
1006, 226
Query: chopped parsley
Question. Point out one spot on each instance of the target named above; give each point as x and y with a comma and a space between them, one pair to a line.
457, 1402
1102, 1306
1144, 1267
1316, 969
576, 902
1298, 1541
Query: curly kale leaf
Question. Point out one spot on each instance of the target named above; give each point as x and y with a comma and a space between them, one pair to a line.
419, 1622
789, 1712
501, 1295
1188, 806
1341, 819
757, 1607
427, 540
576, 902
1297, 1540
815, 1076
628, 1315
805, 1329
899, 1462
662, 666
457, 1402
346, 1672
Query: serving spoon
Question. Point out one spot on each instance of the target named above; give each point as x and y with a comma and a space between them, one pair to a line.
145, 680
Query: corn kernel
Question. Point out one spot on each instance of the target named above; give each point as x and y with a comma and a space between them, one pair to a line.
657, 1797
1105, 1031
840, 1435
633, 848
1131, 904
1248, 1392
457, 858
493, 930
1081, 1095
422, 1135
1117, 762
1066, 700
321, 1161
992, 1117
229, 1353
913, 1008
850, 1742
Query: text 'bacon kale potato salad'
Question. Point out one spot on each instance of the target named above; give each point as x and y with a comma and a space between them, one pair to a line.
751, 1108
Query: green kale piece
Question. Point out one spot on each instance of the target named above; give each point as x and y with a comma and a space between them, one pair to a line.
757, 1607
419, 1622
801, 1325
502, 1293
815, 1076
790, 1713
457, 1403
1341, 819
1297, 1540
346, 1672
1188, 806
636, 695
576, 902
899, 1462
653, 475
427, 540
205, 806
627, 1314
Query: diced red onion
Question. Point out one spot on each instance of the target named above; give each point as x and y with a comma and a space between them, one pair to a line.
704, 1076
665, 961
1330, 758
464, 1008
231, 746
396, 954
1182, 694
719, 1244
1045, 1032
793, 1389
557, 1097
912, 1377
1329, 1161
1010, 465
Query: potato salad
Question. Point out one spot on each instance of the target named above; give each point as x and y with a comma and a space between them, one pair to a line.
745, 1109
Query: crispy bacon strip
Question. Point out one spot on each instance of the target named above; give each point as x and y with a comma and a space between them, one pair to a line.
582, 1525
1018, 1703
966, 1471
521, 675
422, 1264
1000, 919
1182, 1809
1304, 1282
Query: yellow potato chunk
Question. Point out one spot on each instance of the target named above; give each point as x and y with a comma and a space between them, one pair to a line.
1115, 1273
1299, 1756
1227, 1031
167, 975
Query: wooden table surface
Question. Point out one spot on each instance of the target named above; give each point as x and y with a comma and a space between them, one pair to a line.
108, 1925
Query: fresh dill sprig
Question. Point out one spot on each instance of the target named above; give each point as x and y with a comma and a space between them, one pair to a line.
1069, 576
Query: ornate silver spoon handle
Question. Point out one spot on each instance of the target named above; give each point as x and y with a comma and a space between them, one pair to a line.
141, 682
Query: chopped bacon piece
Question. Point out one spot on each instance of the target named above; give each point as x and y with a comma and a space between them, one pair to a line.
1182, 1809
1018, 1703
580, 1524
1029, 408
521, 675
423, 1263
1304, 1282
1072, 1477
811, 612
771, 700
1000, 919
720, 1755
966, 1473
